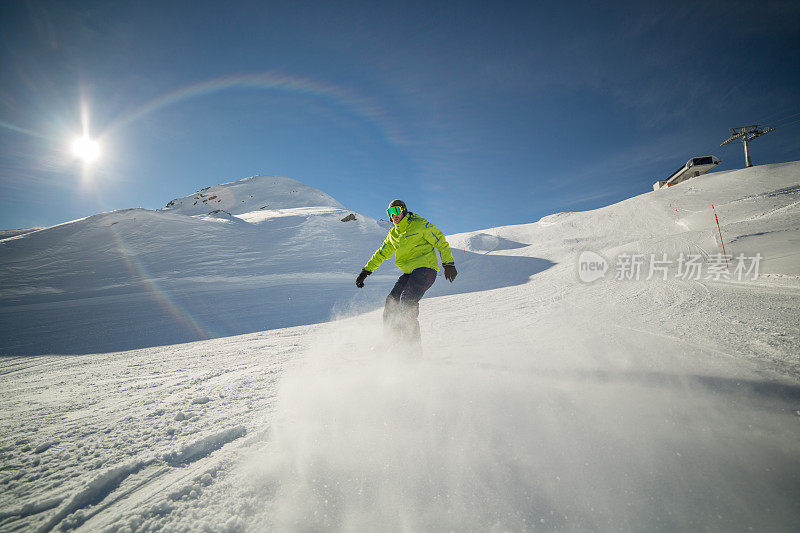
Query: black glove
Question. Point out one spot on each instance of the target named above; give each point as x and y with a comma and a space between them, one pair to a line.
361, 277
450, 272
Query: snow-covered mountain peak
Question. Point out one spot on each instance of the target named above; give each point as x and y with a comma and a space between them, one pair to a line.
252, 194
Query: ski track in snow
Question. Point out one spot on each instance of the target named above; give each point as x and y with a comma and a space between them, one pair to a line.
101, 411
548, 404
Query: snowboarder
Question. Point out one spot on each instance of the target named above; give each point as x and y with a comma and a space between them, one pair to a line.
412, 241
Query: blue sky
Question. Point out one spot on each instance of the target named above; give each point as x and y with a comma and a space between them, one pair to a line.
477, 114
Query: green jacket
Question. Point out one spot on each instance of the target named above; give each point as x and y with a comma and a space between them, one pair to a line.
412, 241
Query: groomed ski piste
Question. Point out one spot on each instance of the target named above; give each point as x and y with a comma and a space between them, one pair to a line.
192, 370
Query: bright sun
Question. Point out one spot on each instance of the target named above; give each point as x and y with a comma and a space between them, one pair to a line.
86, 149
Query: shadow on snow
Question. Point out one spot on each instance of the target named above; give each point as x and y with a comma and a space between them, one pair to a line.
179, 314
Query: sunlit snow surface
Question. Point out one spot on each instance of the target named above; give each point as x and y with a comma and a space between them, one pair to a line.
540, 403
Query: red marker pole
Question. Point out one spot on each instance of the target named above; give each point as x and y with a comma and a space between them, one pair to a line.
720, 237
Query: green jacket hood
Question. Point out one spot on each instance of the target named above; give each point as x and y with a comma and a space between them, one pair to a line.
403, 224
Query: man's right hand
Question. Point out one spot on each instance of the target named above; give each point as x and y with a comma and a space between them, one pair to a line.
361, 277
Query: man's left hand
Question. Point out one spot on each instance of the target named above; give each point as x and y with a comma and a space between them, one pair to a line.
450, 272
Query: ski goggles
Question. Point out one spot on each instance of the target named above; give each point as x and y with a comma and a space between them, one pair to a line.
395, 210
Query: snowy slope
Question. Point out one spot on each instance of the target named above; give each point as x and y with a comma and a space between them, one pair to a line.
146, 278
757, 209
6, 233
541, 402
759, 213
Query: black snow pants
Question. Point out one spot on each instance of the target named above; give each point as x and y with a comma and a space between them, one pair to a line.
402, 305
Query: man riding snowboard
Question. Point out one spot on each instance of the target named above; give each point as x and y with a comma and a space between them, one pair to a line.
412, 241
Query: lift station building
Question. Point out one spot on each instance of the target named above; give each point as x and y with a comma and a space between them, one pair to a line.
694, 167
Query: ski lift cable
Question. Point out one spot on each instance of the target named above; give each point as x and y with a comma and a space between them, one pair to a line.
779, 114
788, 123
776, 123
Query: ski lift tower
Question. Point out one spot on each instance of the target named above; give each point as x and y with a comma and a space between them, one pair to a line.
746, 134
